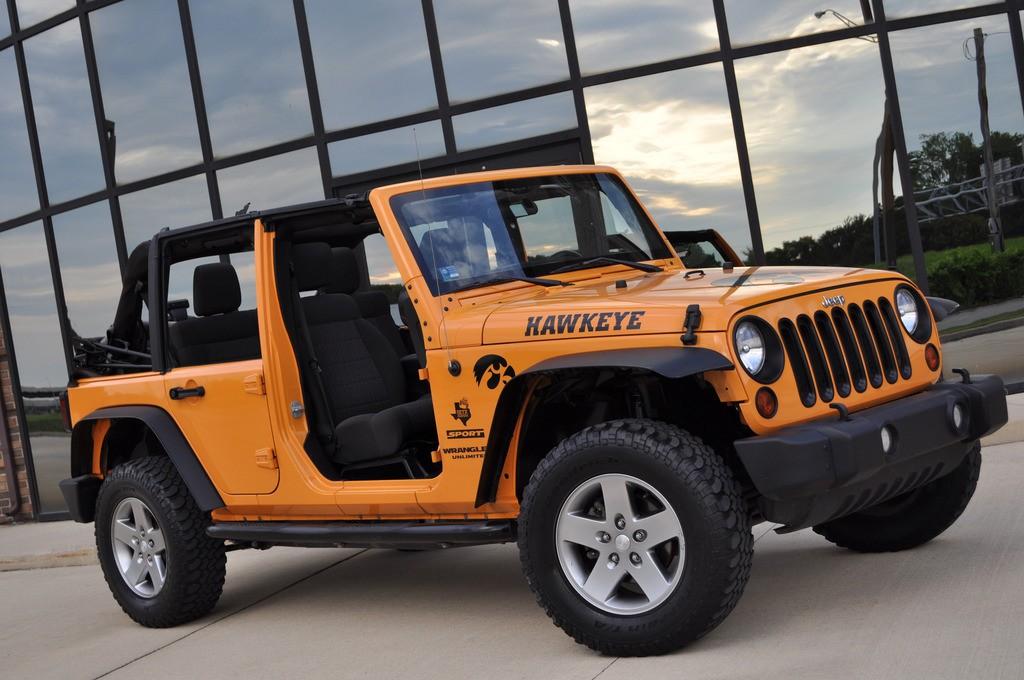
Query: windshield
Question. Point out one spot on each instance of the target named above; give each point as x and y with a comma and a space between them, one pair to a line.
470, 234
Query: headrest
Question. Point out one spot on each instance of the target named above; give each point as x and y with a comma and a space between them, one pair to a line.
344, 271
215, 289
311, 263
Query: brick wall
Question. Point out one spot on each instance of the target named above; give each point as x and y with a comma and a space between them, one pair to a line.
7, 495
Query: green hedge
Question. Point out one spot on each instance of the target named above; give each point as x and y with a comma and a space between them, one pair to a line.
975, 277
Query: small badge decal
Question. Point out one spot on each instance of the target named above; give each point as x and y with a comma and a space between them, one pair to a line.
495, 369
833, 300
462, 412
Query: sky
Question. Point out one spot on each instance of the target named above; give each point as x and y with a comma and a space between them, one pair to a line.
811, 115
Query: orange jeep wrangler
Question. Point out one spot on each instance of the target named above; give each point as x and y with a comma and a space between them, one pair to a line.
559, 378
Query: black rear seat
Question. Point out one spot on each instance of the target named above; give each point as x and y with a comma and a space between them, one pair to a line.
373, 304
360, 373
220, 333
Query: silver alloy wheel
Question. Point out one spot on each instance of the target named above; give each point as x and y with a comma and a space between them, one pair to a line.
620, 544
139, 548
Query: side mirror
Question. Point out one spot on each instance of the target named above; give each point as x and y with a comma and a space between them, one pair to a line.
941, 307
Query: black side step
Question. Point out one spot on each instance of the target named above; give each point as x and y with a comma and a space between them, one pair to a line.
365, 534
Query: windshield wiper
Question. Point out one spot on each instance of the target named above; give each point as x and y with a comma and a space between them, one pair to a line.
642, 266
547, 283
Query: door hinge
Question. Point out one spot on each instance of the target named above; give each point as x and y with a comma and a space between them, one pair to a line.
254, 384
266, 458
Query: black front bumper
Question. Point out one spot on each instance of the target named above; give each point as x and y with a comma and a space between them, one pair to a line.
816, 472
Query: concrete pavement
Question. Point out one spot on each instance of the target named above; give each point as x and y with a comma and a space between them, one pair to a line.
950, 609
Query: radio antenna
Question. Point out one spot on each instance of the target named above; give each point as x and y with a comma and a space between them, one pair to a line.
453, 366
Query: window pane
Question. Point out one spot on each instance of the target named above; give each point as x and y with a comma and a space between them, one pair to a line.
372, 61
901, 8
37, 346
812, 150
272, 182
384, 149
515, 121
64, 115
33, 11
671, 135
611, 35
5, 22
755, 21
17, 180
88, 267
146, 88
178, 204
252, 75
489, 47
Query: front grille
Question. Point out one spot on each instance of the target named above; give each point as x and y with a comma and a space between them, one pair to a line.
859, 347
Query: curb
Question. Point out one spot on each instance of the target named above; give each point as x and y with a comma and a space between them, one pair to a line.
73, 558
980, 330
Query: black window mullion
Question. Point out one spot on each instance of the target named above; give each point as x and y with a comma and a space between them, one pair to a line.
743, 155
900, 142
569, 40
199, 101
105, 137
313, 90
1013, 9
440, 85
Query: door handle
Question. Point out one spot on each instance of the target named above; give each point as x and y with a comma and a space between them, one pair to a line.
186, 392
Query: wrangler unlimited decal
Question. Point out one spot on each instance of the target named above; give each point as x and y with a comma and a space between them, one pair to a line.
592, 322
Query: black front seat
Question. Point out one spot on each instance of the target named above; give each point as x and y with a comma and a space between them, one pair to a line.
221, 333
361, 376
373, 304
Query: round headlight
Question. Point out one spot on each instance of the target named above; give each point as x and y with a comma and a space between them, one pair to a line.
750, 347
906, 305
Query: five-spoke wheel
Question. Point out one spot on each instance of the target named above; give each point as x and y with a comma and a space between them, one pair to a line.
620, 544
139, 548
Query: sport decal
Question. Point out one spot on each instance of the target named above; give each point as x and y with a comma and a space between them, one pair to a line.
591, 322
494, 368
465, 434
462, 412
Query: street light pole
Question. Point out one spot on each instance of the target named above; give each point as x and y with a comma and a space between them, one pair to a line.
995, 230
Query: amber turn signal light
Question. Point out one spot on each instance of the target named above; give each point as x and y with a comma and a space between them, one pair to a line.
931, 357
766, 402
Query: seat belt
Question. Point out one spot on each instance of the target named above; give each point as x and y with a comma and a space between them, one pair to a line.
325, 431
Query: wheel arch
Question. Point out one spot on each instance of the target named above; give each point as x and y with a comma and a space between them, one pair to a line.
147, 420
520, 394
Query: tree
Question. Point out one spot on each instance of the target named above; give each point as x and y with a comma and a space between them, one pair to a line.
951, 157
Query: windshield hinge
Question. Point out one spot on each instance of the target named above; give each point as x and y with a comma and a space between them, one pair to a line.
690, 324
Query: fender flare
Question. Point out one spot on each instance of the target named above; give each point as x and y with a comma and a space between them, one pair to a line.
166, 432
668, 362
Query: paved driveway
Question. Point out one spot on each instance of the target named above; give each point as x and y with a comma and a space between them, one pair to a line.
951, 609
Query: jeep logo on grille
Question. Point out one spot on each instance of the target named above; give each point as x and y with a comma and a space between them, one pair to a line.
833, 300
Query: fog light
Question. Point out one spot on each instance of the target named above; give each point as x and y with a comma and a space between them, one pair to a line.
766, 402
931, 357
958, 417
888, 439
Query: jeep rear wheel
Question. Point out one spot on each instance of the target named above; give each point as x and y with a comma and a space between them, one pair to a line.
151, 538
634, 537
912, 519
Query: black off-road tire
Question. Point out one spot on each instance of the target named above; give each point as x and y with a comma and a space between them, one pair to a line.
195, 562
701, 490
909, 520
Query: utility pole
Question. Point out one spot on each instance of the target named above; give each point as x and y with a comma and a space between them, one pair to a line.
995, 230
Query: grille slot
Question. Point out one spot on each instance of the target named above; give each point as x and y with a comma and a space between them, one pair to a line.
817, 357
849, 342
840, 376
798, 360
878, 332
896, 337
867, 345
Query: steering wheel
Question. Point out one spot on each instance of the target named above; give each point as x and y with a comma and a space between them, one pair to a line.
564, 255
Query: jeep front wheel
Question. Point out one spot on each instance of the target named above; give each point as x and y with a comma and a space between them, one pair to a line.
634, 537
151, 538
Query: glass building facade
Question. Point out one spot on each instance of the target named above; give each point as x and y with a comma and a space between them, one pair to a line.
767, 121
